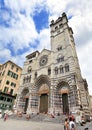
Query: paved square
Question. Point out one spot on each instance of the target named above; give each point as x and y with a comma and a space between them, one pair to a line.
12, 124
28, 125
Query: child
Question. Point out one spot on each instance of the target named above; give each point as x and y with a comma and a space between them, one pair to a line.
66, 124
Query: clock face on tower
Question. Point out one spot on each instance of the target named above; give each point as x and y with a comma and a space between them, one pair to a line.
43, 60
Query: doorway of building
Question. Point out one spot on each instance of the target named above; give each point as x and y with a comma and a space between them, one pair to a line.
26, 104
65, 103
43, 103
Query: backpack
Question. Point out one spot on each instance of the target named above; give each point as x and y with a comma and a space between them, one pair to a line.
72, 126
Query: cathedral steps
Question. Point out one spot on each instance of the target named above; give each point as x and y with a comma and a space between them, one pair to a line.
40, 118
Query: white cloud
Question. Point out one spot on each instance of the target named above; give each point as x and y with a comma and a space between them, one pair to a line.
21, 34
84, 54
44, 39
5, 54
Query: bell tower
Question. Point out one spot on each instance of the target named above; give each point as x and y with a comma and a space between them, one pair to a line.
62, 42
65, 56
57, 28
62, 36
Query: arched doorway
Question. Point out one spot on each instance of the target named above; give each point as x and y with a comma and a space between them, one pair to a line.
43, 91
26, 100
25, 95
43, 103
65, 103
63, 89
42, 85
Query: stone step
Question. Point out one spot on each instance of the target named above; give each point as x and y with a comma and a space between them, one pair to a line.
41, 117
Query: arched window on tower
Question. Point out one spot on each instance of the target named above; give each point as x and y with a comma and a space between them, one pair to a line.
60, 58
27, 79
29, 69
49, 71
56, 70
61, 69
59, 48
56, 28
66, 68
60, 25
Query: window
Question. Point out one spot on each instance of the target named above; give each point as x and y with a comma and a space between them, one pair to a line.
1, 98
7, 82
6, 89
61, 69
27, 79
9, 73
56, 27
8, 99
13, 84
12, 66
12, 74
59, 48
16, 77
3, 73
49, 71
35, 74
61, 25
29, 69
10, 106
60, 59
56, 70
66, 68
16, 69
11, 91
30, 61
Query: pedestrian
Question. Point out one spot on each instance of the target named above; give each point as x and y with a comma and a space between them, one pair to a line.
72, 125
27, 116
66, 124
5, 116
0, 114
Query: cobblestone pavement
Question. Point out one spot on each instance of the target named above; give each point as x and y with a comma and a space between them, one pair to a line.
31, 125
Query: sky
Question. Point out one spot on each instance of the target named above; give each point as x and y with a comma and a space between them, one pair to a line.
24, 28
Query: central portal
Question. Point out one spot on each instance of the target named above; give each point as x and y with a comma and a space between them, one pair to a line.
26, 104
65, 103
43, 103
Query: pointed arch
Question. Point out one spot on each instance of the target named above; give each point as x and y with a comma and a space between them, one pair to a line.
42, 79
56, 70
61, 68
66, 67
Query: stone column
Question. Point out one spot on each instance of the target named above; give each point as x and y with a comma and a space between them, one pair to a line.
51, 100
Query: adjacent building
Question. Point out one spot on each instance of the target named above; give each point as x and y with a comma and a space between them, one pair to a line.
51, 80
91, 104
10, 74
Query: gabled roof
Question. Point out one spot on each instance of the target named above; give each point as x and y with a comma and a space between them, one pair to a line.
12, 63
45, 50
33, 54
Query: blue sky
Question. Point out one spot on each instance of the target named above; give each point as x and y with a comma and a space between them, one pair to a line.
24, 28
41, 20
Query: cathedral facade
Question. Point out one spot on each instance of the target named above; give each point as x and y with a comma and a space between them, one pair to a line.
51, 80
